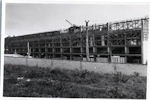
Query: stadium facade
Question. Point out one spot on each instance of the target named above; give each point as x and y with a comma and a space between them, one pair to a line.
118, 42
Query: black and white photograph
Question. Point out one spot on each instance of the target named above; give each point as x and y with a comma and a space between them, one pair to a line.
58, 50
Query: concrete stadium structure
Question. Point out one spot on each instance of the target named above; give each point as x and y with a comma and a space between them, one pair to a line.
117, 42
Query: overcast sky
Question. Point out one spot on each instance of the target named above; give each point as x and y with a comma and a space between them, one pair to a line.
24, 19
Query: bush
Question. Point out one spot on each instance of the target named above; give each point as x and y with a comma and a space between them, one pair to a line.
119, 77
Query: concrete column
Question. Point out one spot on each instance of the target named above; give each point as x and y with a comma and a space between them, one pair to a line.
109, 45
87, 41
144, 40
94, 47
126, 49
61, 51
70, 43
81, 46
53, 50
102, 40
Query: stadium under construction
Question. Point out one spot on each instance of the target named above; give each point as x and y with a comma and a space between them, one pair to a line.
117, 42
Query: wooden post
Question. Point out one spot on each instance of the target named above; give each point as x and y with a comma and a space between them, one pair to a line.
87, 41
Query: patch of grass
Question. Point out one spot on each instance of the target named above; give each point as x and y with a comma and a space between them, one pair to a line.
22, 81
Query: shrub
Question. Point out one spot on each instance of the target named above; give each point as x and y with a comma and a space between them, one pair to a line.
119, 77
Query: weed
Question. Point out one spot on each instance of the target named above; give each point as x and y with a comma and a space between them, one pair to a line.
47, 82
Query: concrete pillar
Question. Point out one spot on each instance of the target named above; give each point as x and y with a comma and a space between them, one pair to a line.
108, 45
144, 40
81, 46
87, 41
126, 49
94, 47
53, 50
70, 45
102, 40
61, 50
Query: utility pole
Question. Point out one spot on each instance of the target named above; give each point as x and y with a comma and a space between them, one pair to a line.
87, 41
